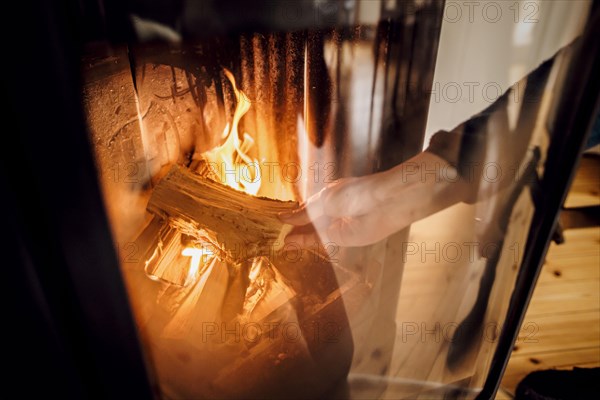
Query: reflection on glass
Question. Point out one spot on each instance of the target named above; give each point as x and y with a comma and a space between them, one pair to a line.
299, 228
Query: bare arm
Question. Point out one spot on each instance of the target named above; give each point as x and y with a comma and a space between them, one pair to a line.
361, 211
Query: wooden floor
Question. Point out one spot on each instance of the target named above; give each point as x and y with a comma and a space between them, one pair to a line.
562, 326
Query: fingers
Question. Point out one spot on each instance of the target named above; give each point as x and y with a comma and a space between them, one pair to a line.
310, 211
351, 197
310, 234
414, 204
302, 216
347, 197
305, 240
341, 213
348, 231
362, 211
365, 229
297, 217
345, 232
379, 223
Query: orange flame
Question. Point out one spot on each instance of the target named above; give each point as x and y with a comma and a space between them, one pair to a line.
237, 169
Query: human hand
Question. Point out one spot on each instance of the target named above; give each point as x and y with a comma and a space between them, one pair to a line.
364, 210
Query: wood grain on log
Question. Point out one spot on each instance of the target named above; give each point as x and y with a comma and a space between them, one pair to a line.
238, 225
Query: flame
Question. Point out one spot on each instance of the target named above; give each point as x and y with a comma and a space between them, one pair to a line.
235, 168
231, 163
197, 257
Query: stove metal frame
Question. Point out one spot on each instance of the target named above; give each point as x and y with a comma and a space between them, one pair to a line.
60, 260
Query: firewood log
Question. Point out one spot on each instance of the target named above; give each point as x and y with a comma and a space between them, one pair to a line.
238, 225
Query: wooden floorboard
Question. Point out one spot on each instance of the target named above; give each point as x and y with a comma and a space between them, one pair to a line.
521, 365
557, 332
561, 328
572, 296
585, 190
562, 325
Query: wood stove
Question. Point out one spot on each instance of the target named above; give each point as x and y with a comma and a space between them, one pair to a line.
159, 256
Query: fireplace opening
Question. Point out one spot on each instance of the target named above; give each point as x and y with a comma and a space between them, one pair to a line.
200, 148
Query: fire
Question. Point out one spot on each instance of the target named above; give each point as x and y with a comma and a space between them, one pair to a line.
197, 257
232, 165
231, 161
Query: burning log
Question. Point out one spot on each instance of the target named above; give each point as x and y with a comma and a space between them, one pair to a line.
238, 225
241, 318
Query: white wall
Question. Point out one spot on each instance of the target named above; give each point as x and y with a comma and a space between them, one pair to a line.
486, 46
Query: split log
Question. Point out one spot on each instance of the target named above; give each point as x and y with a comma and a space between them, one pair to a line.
201, 304
238, 225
